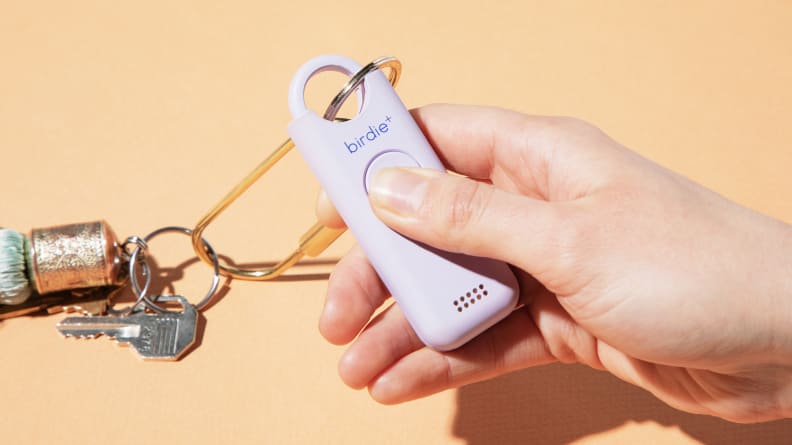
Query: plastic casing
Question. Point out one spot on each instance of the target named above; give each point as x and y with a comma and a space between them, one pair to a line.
448, 298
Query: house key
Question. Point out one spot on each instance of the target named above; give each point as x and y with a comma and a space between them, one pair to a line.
154, 336
85, 301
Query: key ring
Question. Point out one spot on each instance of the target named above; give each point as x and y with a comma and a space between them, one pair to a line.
136, 258
316, 239
354, 82
126, 248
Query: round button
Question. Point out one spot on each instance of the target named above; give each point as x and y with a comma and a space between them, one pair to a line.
387, 159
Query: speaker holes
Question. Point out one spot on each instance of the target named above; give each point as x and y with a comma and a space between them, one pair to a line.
469, 298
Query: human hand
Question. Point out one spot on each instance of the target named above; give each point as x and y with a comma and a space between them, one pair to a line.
623, 265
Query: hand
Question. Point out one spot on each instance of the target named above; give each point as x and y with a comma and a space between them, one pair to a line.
624, 266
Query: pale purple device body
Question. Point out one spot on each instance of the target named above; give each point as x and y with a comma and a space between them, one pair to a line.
448, 298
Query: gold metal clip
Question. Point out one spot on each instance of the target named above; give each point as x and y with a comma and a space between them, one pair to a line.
318, 237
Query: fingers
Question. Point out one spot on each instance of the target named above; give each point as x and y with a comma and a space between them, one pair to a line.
389, 358
385, 340
548, 157
566, 340
354, 292
469, 138
388, 341
512, 344
461, 215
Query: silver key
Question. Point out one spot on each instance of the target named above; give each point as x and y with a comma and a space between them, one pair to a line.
164, 336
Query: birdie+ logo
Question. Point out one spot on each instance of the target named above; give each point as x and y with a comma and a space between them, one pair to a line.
375, 131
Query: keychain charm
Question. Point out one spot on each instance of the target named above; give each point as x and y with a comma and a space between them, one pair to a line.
52, 259
70, 257
448, 298
74, 256
80, 267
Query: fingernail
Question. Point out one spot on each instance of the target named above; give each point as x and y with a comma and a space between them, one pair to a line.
400, 190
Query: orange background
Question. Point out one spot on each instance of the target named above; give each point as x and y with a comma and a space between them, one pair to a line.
146, 113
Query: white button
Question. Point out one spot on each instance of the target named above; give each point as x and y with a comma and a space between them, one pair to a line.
388, 159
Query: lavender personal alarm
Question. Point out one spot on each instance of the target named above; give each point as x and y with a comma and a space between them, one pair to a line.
448, 298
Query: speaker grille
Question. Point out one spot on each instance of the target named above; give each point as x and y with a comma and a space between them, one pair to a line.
470, 298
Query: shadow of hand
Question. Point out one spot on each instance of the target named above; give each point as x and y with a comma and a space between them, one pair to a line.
558, 404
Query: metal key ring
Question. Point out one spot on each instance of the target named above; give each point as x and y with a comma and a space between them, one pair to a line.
354, 82
146, 272
126, 248
141, 293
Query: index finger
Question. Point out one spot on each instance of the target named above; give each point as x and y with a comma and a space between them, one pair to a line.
471, 139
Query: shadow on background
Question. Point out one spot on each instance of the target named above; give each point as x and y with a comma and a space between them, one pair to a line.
162, 282
558, 404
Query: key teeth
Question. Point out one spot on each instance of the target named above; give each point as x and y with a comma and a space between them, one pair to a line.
81, 336
87, 308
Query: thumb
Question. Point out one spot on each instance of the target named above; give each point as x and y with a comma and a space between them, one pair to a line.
458, 214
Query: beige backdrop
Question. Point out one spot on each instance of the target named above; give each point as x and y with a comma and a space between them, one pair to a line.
145, 113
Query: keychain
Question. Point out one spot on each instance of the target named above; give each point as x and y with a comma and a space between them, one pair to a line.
80, 267
448, 298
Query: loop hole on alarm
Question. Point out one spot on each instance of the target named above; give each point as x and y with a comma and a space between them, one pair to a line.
321, 64
345, 66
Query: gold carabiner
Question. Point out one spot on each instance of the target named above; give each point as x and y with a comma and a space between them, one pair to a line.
318, 237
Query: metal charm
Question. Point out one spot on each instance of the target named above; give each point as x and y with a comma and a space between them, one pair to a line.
74, 256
